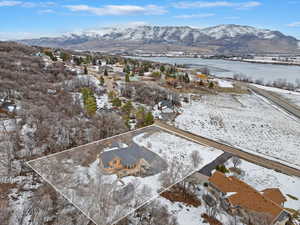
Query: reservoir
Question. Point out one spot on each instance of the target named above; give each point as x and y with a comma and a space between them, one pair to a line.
226, 68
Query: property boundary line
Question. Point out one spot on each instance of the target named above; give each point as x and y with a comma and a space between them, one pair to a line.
133, 210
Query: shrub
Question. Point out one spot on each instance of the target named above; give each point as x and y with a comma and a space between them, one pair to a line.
116, 102
222, 168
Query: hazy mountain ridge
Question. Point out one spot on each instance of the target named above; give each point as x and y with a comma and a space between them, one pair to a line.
218, 39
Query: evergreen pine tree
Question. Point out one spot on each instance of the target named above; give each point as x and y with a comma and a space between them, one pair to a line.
105, 72
101, 81
94, 61
127, 77
186, 78
91, 105
149, 119
86, 70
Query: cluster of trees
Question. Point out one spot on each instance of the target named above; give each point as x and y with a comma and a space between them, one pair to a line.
47, 122
89, 101
50, 54
144, 118
65, 56
185, 78
149, 93
279, 83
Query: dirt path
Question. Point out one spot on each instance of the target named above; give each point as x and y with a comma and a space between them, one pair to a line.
256, 159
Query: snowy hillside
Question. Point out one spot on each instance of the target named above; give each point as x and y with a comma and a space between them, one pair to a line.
171, 33
231, 31
226, 37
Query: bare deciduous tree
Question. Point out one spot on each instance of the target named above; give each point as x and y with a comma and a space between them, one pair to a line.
236, 161
211, 205
196, 159
256, 218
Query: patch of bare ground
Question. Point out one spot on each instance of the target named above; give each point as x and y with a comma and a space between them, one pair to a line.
211, 220
191, 88
235, 90
4, 191
178, 194
235, 170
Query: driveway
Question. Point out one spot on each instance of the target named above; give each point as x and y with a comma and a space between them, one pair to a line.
207, 170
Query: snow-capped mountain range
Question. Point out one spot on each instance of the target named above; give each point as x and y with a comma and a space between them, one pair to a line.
222, 38
171, 33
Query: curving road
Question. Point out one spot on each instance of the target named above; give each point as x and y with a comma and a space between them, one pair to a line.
251, 157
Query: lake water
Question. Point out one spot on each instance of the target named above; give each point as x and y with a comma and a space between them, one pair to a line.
224, 68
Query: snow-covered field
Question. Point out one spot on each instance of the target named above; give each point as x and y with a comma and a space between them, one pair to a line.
262, 178
172, 147
292, 96
245, 121
76, 174
224, 83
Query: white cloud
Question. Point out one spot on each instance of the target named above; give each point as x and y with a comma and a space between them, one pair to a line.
295, 24
116, 10
189, 16
247, 5
9, 3
26, 4
205, 4
46, 11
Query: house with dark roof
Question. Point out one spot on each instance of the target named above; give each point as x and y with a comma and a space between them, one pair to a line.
128, 161
7, 107
165, 104
239, 198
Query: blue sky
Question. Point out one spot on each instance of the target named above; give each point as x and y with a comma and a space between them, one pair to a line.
34, 18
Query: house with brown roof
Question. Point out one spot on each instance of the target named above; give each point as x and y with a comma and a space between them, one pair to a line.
275, 195
239, 198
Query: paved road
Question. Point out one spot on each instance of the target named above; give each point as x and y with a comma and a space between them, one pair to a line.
278, 100
207, 170
268, 163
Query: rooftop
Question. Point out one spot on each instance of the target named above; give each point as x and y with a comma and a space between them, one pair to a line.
275, 195
246, 196
128, 155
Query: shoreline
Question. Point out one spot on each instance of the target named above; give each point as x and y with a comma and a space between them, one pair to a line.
233, 60
266, 62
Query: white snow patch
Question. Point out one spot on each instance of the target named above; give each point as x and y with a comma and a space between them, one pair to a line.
224, 83
244, 121
170, 146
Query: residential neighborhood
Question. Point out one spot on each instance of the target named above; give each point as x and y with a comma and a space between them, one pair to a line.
169, 111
